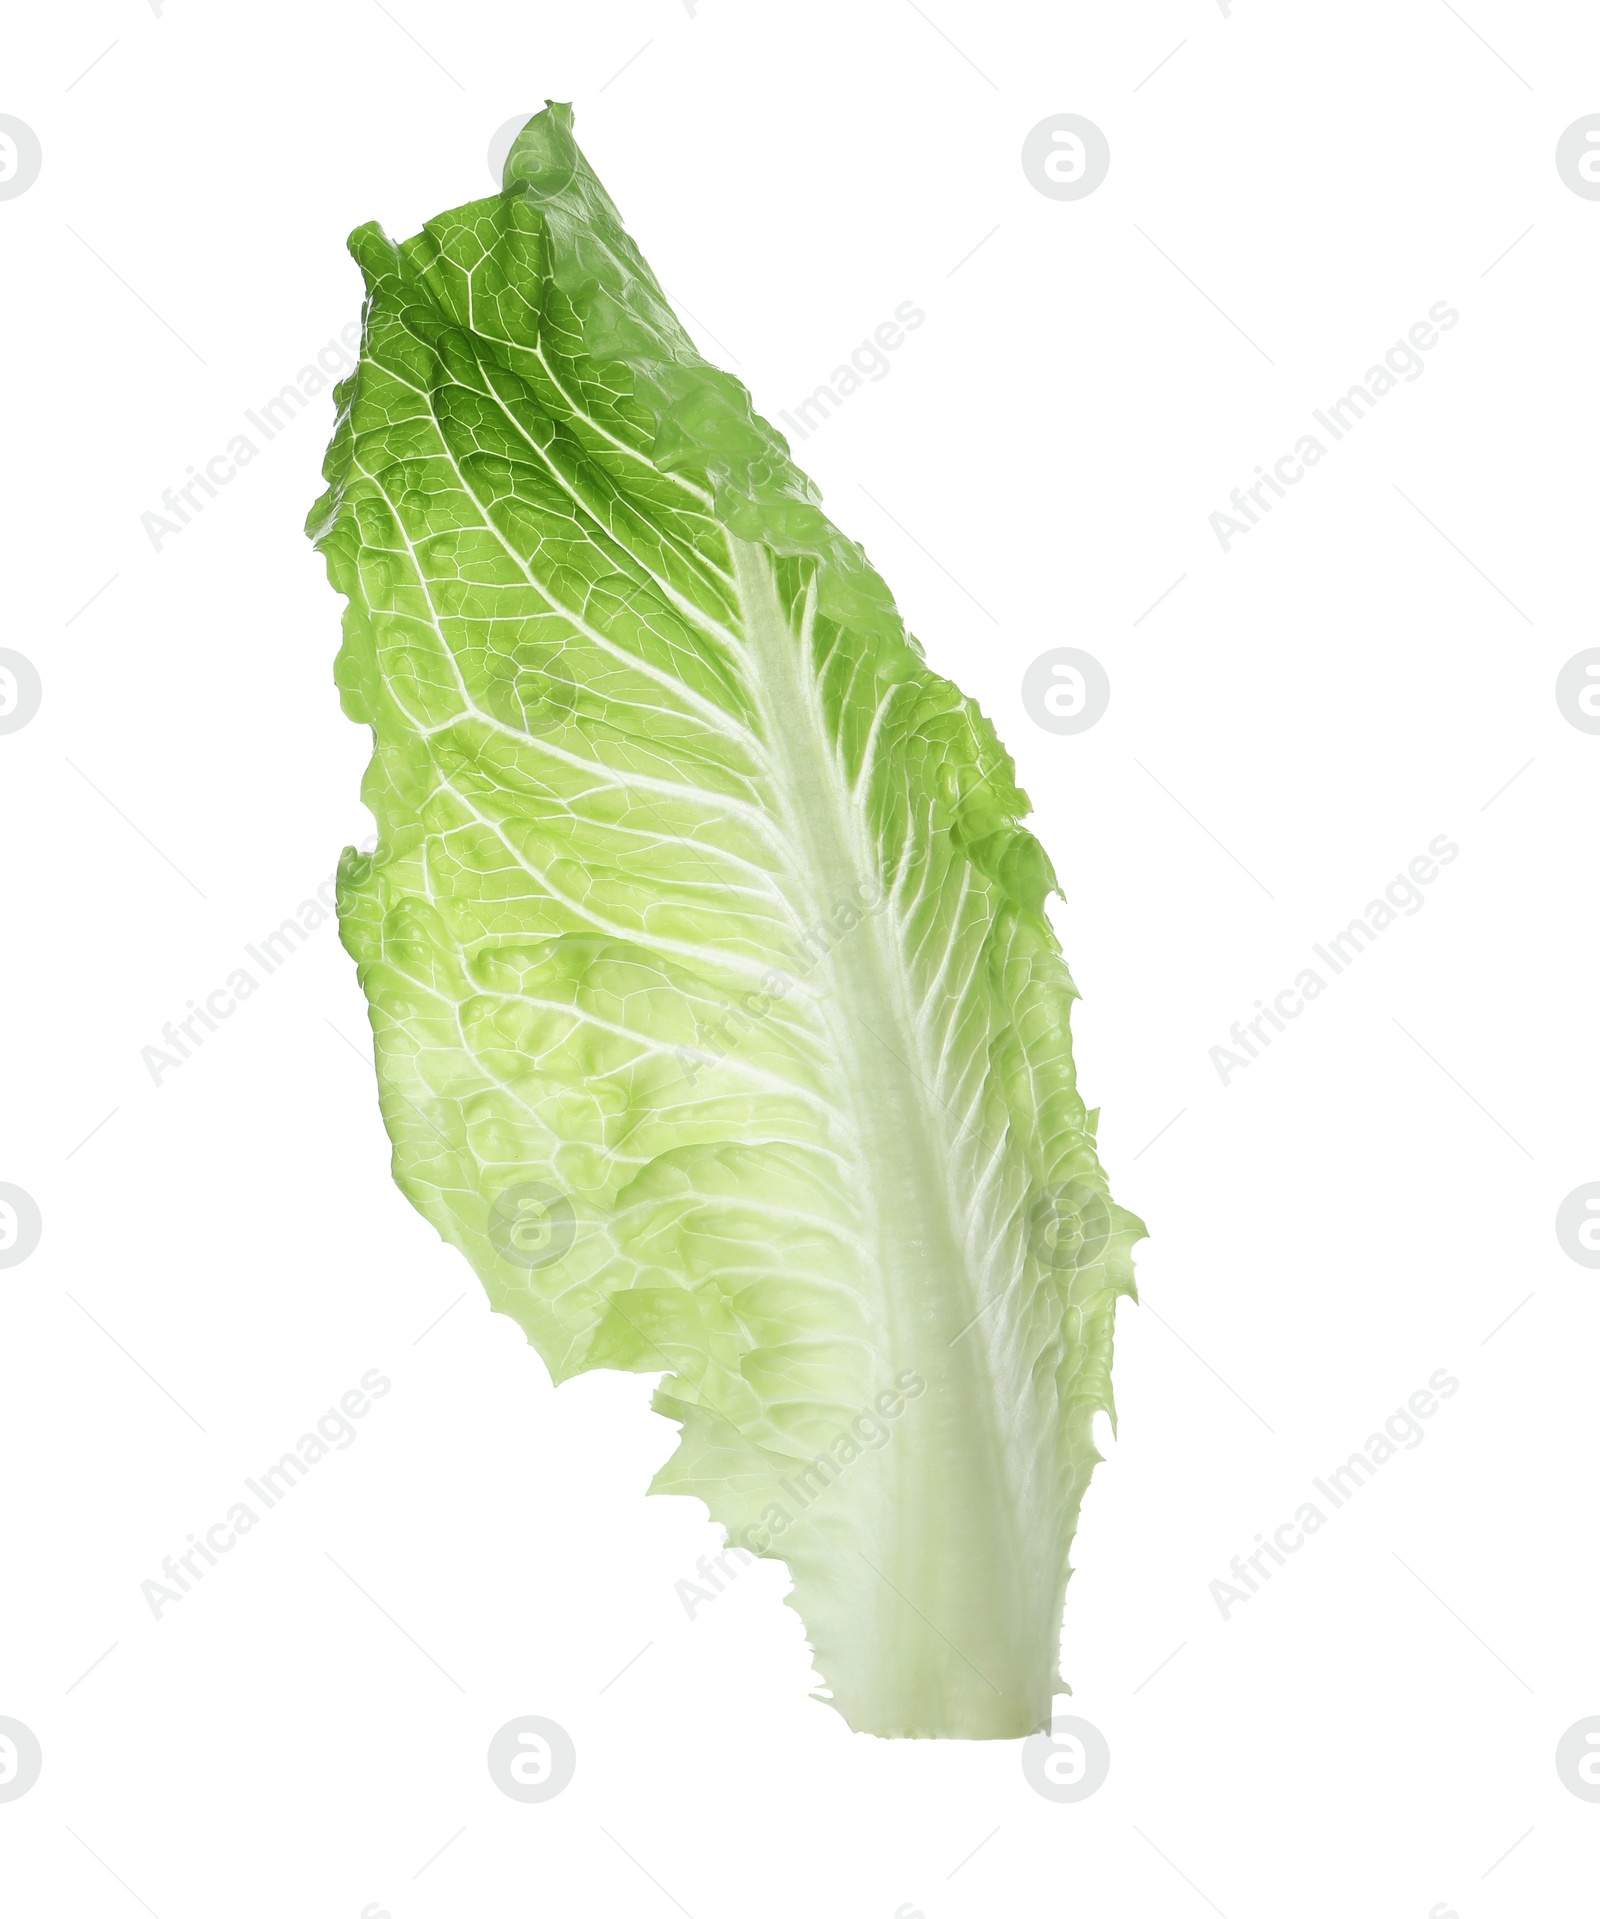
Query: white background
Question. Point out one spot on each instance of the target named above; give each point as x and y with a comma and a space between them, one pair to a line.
1374, 1731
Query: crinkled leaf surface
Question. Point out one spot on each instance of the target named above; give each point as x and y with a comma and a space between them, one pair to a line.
717, 1016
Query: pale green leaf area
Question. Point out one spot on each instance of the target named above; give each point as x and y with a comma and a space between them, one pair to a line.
717, 1015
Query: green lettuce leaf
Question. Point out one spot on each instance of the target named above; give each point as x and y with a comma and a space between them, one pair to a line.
717, 1016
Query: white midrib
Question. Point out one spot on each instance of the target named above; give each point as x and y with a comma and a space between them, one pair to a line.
953, 1532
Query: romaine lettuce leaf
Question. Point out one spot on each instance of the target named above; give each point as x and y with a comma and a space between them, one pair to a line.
717, 1016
